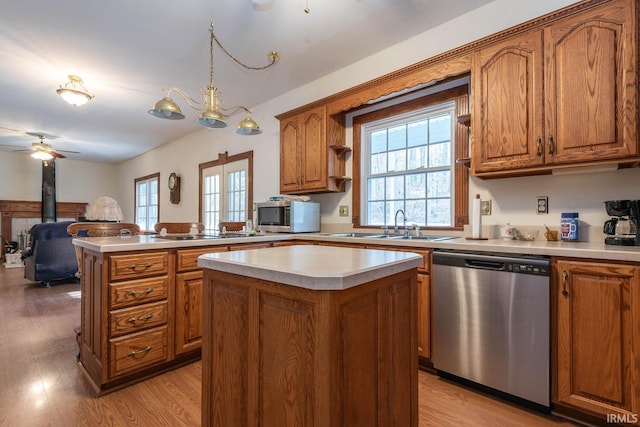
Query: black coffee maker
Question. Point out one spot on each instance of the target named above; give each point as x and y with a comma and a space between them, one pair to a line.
622, 229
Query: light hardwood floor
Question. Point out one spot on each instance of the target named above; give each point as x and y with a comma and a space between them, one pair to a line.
40, 384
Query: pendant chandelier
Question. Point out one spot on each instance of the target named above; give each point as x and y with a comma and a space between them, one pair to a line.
213, 113
74, 91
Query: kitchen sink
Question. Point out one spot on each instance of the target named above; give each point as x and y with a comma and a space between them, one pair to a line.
368, 235
429, 238
391, 236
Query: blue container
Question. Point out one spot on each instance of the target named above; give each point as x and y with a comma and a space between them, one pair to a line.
569, 226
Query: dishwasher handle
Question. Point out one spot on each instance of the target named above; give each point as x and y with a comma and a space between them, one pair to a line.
484, 264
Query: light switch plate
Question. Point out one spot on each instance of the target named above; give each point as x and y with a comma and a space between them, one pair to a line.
344, 210
485, 207
542, 205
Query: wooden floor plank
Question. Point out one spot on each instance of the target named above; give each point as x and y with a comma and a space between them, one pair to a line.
41, 385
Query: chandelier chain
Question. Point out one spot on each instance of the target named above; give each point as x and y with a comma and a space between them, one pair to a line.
273, 56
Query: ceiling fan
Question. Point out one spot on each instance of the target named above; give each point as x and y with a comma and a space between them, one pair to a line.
42, 150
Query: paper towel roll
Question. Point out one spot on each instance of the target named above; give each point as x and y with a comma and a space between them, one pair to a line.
476, 218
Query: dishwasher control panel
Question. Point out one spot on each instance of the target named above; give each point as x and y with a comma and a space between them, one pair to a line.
508, 263
542, 270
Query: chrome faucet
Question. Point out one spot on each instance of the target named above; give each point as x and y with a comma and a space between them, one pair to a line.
404, 221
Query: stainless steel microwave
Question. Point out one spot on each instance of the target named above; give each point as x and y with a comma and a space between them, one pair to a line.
288, 216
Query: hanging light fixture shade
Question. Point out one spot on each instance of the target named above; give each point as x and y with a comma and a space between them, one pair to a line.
213, 114
248, 126
74, 92
166, 108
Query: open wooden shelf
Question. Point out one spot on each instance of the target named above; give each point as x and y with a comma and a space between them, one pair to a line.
465, 119
340, 149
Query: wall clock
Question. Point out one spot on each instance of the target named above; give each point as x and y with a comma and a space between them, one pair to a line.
174, 188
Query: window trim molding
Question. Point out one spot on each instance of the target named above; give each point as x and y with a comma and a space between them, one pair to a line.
459, 94
223, 159
135, 193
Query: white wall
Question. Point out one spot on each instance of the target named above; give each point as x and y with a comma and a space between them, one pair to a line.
76, 181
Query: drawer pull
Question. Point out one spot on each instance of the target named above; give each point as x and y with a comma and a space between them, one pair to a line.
134, 267
146, 291
144, 350
133, 320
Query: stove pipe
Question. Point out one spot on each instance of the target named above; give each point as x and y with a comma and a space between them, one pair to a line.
49, 191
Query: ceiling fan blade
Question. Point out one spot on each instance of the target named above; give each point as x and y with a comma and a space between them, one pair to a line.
56, 154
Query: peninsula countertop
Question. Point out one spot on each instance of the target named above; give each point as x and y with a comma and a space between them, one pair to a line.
313, 267
587, 250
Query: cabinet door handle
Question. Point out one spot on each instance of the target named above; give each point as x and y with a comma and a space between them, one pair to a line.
141, 318
134, 267
146, 291
144, 350
551, 145
564, 283
539, 147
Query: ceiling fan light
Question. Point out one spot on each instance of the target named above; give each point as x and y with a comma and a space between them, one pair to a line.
41, 155
73, 92
166, 108
248, 126
211, 119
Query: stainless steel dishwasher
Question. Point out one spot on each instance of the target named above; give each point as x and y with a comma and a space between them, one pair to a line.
491, 321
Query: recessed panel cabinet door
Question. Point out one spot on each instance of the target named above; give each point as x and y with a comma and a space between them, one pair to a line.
290, 175
597, 337
314, 149
507, 123
591, 85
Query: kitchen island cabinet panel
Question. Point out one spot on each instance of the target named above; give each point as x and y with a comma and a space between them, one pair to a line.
597, 343
314, 350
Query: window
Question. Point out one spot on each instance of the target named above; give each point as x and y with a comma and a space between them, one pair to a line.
404, 158
226, 190
147, 201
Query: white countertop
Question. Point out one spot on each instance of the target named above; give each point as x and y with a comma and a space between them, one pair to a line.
148, 242
313, 267
592, 250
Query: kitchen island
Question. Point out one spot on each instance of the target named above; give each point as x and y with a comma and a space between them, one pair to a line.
309, 335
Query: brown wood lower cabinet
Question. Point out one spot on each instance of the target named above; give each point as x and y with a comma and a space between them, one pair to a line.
279, 355
141, 312
597, 340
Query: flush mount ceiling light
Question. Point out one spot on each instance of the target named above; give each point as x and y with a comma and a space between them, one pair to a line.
213, 114
74, 92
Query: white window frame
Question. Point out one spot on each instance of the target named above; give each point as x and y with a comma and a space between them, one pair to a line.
391, 205
224, 203
151, 202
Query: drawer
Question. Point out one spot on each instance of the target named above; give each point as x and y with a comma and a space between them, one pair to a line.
134, 319
134, 352
188, 258
142, 291
124, 267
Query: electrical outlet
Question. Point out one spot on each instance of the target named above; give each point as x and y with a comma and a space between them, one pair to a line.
542, 205
485, 207
344, 210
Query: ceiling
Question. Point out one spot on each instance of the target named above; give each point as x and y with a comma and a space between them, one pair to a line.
128, 51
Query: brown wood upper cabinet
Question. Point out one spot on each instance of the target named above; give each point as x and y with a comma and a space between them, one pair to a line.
564, 94
312, 152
